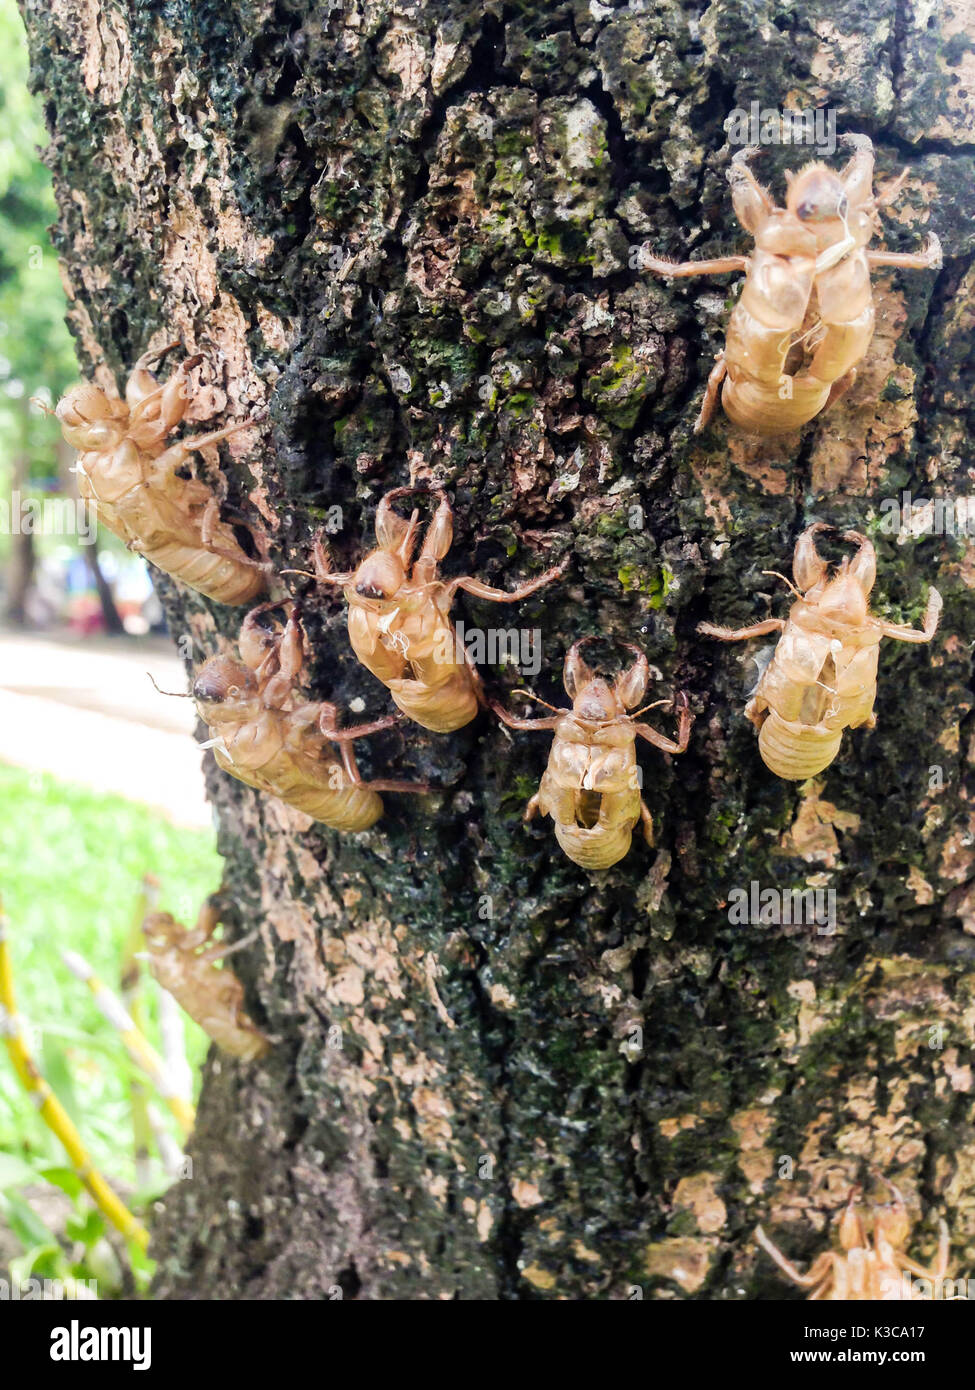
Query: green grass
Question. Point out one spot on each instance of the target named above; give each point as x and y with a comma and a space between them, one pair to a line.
71, 864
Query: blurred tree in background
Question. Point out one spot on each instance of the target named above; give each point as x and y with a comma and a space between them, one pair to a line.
71, 858
36, 354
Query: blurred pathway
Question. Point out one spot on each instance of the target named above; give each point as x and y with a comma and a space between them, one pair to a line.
85, 710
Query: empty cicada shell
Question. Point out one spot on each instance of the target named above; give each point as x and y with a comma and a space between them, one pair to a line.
870, 1262
805, 317
131, 475
591, 787
263, 732
184, 962
399, 615
822, 677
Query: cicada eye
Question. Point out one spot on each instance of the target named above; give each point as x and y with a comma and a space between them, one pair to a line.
234, 691
208, 691
379, 576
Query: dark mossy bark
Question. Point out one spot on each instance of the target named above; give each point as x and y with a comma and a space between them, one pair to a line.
408, 230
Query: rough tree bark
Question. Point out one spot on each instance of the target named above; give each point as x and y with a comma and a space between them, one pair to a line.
405, 229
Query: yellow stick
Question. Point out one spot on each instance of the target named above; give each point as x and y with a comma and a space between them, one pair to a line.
143, 1054
51, 1110
131, 993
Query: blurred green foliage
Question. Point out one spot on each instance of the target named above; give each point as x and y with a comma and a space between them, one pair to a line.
71, 861
71, 865
35, 347
36, 352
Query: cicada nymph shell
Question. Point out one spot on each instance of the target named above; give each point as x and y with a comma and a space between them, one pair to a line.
399, 615
870, 1262
822, 678
591, 787
264, 733
130, 474
805, 317
184, 962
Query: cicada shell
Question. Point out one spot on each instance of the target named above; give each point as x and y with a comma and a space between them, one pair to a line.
128, 472
870, 1262
591, 787
399, 615
822, 677
805, 317
184, 962
263, 733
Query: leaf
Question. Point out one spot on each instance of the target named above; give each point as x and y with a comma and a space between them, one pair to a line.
14, 1172
140, 1261
88, 1227
26, 1225
26, 1266
65, 1178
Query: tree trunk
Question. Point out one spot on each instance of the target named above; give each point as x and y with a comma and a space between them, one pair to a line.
110, 614
69, 484
406, 230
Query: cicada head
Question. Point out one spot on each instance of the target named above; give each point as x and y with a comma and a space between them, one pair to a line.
816, 196
846, 598
597, 702
594, 700
781, 237
160, 930
90, 419
226, 692
843, 601
380, 577
891, 1222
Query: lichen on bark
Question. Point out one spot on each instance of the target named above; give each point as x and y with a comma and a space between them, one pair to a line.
406, 230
